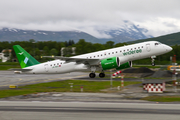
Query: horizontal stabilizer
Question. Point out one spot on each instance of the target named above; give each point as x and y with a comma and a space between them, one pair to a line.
19, 69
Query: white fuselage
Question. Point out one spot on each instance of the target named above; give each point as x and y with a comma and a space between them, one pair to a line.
125, 53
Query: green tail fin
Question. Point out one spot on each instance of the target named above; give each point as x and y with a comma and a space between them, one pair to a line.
25, 59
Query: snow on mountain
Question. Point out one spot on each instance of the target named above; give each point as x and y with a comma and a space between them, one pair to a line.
126, 32
120, 33
12, 34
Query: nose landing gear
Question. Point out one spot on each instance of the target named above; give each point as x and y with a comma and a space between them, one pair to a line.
152, 60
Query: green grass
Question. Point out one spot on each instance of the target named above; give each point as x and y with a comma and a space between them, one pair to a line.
148, 66
9, 65
163, 98
62, 86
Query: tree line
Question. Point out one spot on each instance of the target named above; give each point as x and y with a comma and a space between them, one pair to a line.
48, 48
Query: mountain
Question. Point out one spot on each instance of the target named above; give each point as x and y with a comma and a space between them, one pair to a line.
126, 32
7, 34
119, 34
170, 39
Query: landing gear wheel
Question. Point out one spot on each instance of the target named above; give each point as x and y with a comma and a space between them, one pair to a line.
101, 75
153, 64
92, 75
152, 60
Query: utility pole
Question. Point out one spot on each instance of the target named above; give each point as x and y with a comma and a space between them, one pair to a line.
111, 79
174, 73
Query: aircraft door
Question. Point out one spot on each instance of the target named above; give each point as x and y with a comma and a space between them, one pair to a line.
148, 47
46, 67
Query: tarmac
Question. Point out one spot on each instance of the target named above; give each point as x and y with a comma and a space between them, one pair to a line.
131, 93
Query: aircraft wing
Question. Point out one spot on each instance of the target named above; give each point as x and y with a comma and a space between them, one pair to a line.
19, 69
77, 60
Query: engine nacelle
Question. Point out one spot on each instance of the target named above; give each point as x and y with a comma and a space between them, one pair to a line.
125, 65
110, 63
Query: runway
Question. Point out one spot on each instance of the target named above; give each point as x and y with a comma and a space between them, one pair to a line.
87, 111
9, 78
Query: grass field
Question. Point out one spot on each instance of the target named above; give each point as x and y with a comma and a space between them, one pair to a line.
9, 65
88, 86
62, 86
163, 98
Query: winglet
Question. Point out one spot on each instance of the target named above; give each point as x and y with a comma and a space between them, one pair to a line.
25, 59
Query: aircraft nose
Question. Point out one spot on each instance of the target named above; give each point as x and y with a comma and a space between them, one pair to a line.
168, 48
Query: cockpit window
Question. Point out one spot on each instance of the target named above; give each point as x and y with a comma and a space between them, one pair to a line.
157, 43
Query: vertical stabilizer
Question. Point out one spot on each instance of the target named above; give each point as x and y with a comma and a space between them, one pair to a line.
25, 59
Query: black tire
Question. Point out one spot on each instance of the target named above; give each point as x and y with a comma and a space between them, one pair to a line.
153, 64
92, 75
101, 75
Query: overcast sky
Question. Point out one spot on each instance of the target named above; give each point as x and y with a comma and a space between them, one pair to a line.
160, 17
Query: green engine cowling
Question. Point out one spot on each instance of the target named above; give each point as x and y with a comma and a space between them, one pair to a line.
110, 63
125, 65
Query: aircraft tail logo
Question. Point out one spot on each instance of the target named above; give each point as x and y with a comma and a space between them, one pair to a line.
25, 59
21, 53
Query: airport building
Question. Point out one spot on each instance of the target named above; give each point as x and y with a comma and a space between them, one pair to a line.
5, 55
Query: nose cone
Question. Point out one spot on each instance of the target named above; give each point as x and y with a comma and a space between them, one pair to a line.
168, 48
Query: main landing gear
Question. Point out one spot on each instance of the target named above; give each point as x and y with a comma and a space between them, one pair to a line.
152, 60
101, 75
93, 75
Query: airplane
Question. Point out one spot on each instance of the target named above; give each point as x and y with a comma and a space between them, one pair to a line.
115, 58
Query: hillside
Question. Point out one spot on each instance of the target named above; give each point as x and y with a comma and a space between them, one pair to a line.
7, 34
170, 39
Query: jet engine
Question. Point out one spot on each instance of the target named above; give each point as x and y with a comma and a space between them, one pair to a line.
114, 62
125, 65
110, 63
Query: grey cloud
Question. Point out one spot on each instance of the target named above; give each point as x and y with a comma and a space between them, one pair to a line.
86, 14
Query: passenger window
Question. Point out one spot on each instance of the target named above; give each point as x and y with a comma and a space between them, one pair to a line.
116, 51
112, 52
